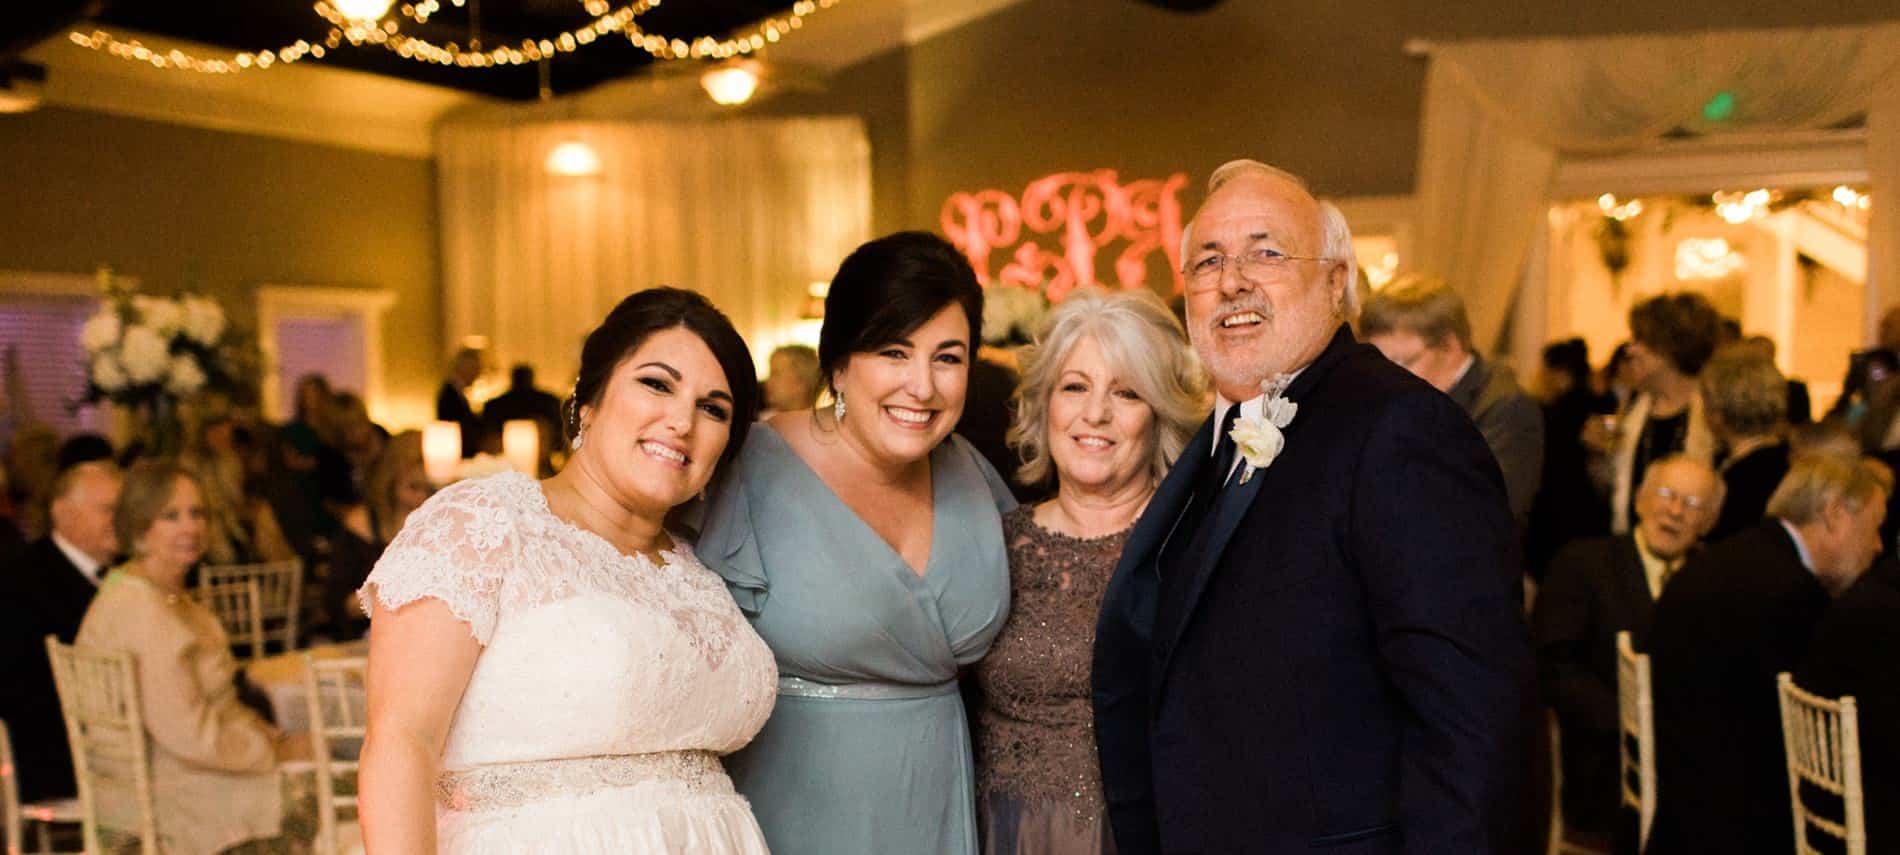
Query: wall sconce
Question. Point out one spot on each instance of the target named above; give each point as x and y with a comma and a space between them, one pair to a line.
573, 159
815, 301
442, 451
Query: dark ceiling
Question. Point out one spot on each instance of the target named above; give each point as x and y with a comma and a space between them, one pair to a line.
271, 24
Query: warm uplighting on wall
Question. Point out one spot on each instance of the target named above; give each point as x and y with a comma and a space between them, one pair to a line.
573, 159
521, 446
730, 85
442, 451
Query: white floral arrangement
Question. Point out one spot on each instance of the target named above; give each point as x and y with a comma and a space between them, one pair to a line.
142, 350
1011, 314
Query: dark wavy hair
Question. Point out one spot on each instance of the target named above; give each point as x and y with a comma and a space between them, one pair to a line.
1681, 328
653, 310
888, 288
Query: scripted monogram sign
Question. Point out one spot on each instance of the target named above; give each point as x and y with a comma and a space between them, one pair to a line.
1084, 213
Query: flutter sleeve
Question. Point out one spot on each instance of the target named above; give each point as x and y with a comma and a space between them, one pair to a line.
456, 548
729, 545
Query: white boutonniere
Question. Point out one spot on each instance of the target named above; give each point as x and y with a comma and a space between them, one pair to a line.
1259, 439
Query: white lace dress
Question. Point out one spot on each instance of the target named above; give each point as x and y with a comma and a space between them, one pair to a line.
606, 689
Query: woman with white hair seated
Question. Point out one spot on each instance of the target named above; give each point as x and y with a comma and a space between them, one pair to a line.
1110, 396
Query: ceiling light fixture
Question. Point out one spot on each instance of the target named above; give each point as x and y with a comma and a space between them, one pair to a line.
731, 84
369, 11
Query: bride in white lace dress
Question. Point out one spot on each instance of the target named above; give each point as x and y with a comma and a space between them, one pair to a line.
549, 670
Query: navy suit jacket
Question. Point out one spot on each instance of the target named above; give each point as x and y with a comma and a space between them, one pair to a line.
1351, 670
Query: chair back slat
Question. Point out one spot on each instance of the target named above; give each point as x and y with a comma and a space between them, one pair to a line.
1822, 740
334, 689
235, 603
99, 697
1636, 734
279, 601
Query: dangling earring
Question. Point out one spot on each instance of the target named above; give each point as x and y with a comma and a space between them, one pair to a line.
837, 406
575, 443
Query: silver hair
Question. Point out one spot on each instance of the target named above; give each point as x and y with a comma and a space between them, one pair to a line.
1335, 234
1149, 351
1816, 481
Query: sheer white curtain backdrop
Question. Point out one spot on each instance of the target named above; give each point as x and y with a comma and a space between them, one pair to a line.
1499, 115
748, 212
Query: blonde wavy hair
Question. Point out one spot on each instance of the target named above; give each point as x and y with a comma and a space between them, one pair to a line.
1150, 354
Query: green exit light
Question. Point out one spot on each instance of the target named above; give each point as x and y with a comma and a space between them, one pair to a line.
1721, 108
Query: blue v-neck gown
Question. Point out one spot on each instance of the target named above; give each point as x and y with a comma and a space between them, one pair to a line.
867, 751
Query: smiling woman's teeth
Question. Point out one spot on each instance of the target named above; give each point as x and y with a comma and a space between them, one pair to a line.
915, 417
658, 450
1093, 442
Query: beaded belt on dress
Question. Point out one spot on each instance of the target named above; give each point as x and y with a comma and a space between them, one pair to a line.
789, 686
502, 785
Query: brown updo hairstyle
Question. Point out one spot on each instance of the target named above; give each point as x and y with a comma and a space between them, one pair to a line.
1680, 327
888, 288
147, 489
653, 310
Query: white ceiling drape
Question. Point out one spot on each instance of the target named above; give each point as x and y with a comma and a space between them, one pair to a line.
747, 212
1499, 115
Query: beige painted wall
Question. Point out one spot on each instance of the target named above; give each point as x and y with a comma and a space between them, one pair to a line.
177, 206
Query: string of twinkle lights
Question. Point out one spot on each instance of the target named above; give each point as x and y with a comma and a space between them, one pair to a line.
358, 30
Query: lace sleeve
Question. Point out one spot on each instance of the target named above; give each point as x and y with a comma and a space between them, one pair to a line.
456, 548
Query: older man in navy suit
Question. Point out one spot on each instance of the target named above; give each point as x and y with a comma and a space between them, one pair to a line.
1312, 641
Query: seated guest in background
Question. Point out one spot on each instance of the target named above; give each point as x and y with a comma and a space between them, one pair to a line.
1108, 401
46, 592
451, 402
1852, 654
1737, 614
1566, 506
524, 400
398, 485
1595, 589
1800, 408
1418, 322
214, 779
357, 442
31, 469
1671, 337
84, 448
1747, 405
795, 380
240, 528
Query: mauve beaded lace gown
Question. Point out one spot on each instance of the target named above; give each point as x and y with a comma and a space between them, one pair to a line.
607, 687
868, 751
1038, 785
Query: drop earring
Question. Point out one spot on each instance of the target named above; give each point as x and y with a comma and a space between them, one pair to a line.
837, 406
575, 443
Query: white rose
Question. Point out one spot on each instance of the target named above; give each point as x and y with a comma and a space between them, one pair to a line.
185, 376
145, 354
1258, 441
160, 314
1281, 411
106, 373
101, 330
204, 320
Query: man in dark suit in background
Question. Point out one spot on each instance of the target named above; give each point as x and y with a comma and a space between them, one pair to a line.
46, 593
524, 400
1852, 654
1735, 616
1419, 322
451, 401
1595, 589
1314, 645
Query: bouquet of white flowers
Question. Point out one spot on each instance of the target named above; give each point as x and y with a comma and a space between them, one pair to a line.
146, 353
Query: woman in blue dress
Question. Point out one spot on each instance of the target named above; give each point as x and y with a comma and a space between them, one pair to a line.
865, 542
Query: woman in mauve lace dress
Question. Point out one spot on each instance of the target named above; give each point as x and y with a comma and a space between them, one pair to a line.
1109, 398
549, 669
